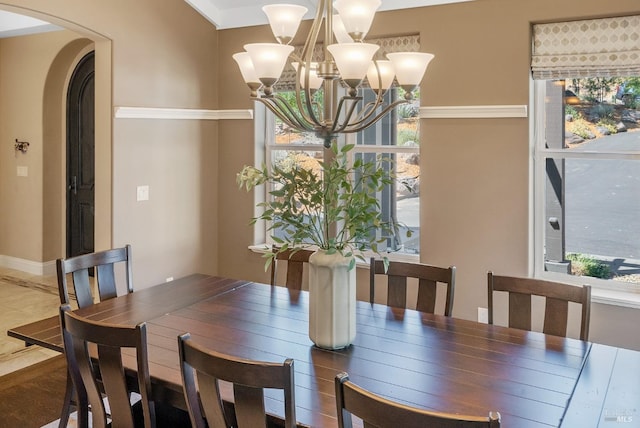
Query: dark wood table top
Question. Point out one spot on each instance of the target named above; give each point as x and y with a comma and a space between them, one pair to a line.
424, 360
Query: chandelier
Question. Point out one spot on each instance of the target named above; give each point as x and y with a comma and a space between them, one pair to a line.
346, 59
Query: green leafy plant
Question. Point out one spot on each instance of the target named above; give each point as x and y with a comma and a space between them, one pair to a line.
584, 265
581, 128
602, 111
609, 124
406, 135
335, 210
569, 109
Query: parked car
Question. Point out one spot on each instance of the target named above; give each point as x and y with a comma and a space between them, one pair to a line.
628, 94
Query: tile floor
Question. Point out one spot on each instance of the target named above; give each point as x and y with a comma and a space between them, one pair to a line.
24, 298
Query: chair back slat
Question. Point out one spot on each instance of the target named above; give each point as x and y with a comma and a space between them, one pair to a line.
82, 288
376, 411
115, 386
520, 311
249, 404
106, 278
397, 291
556, 315
428, 277
427, 294
557, 296
249, 378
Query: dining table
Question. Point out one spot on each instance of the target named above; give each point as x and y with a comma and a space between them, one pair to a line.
423, 360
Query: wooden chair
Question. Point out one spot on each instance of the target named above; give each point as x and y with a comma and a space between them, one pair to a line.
249, 378
295, 266
79, 267
378, 412
557, 297
103, 262
109, 339
428, 278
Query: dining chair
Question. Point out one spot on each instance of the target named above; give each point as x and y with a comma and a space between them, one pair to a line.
79, 267
557, 297
296, 260
428, 277
79, 336
249, 379
376, 411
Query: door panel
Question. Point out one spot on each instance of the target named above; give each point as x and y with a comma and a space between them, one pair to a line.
81, 159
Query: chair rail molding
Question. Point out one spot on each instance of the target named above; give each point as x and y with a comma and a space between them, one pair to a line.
123, 112
473, 112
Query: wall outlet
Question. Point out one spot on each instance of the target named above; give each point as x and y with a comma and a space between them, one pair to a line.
483, 315
142, 193
169, 279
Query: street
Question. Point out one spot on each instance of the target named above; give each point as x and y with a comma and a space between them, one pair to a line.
603, 200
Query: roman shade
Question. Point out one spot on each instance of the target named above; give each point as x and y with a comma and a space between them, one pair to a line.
607, 47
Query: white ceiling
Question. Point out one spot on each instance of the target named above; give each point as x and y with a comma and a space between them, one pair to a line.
222, 13
243, 13
12, 24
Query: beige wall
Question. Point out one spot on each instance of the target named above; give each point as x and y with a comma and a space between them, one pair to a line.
475, 188
24, 67
160, 54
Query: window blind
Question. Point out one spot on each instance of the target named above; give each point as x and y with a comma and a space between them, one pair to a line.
607, 47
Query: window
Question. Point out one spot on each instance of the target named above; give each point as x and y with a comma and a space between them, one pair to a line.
587, 180
396, 137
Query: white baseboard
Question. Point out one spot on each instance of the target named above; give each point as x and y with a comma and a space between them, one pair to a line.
28, 266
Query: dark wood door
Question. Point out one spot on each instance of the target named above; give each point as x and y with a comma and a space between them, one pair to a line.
81, 158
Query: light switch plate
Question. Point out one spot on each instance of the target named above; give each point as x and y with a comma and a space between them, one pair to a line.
142, 193
23, 171
483, 315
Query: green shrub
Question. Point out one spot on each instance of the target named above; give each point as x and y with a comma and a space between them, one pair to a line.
406, 135
581, 128
407, 111
603, 111
584, 265
569, 109
609, 124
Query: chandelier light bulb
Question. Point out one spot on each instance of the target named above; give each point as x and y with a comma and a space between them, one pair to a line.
268, 60
357, 16
352, 60
284, 20
246, 67
339, 31
384, 73
410, 67
314, 81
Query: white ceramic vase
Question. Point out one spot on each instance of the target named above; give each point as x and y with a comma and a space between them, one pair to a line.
332, 300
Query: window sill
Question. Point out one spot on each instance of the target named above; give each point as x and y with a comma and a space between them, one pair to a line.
615, 298
397, 257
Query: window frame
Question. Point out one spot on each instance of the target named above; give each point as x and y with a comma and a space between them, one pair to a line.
604, 291
264, 137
